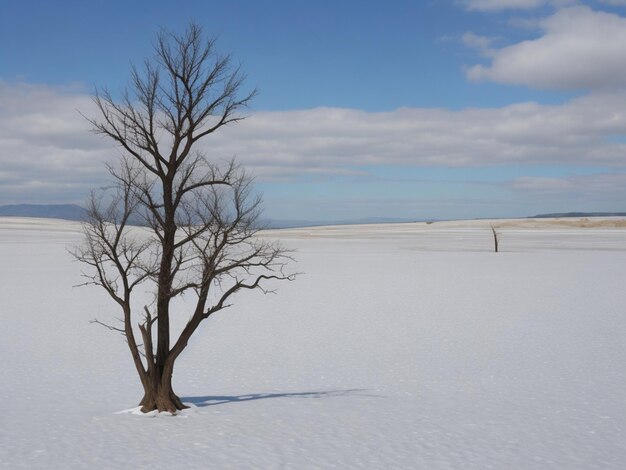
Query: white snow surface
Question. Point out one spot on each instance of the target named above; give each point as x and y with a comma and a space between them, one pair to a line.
401, 346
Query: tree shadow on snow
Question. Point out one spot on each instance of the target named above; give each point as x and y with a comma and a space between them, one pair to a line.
212, 400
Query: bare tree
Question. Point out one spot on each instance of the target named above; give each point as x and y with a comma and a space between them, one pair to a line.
200, 218
495, 238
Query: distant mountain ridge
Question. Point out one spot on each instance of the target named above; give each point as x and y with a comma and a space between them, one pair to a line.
277, 224
48, 211
75, 212
578, 214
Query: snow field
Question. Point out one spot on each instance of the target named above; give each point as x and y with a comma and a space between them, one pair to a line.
401, 346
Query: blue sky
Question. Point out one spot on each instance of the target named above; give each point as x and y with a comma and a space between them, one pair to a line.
433, 109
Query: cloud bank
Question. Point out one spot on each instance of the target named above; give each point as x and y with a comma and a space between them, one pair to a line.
579, 49
579, 132
48, 155
46, 151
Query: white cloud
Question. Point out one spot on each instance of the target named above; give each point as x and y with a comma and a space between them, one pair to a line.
526, 133
596, 185
598, 192
47, 153
500, 5
579, 49
541, 184
618, 3
481, 43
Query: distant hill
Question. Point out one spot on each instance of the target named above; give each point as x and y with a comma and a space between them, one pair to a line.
75, 212
277, 224
48, 211
579, 214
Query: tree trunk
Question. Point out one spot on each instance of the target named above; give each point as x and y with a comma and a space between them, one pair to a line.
495, 239
159, 394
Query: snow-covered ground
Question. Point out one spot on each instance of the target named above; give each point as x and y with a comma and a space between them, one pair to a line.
402, 346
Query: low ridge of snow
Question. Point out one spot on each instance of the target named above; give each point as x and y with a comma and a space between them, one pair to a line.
401, 346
